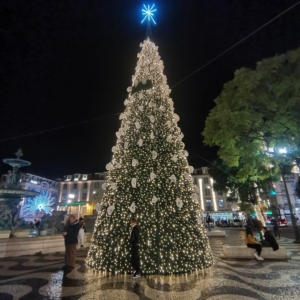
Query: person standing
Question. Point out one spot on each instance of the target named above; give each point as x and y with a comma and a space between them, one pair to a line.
252, 243
208, 220
70, 233
81, 232
134, 242
275, 227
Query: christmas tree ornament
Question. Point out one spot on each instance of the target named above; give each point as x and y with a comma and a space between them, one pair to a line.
108, 166
154, 154
169, 138
129, 89
141, 107
152, 176
104, 186
133, 182
199, 220
194, 196
151, 119
132, 207
179, 203
137, 125
191, 169
113, 149
154, 199
98, 208
152, 135
118, 165
134, 162
122, 116
110, 210
113, 186
140, 142
174, 158
173, 178
125, 145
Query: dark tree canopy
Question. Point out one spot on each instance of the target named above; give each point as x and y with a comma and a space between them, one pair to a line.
258, 110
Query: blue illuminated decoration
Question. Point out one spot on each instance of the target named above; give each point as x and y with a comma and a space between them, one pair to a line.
148, 13
41, 204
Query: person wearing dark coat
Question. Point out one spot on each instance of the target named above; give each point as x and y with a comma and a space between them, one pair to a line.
269, 239
134, 242
70, 233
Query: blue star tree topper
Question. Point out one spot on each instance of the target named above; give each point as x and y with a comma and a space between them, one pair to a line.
148, 12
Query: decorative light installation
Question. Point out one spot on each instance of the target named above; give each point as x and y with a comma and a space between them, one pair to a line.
148, 13
152, 184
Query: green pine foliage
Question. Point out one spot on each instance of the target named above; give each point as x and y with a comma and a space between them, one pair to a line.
149, 178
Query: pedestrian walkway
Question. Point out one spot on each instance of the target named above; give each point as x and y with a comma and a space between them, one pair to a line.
40, 277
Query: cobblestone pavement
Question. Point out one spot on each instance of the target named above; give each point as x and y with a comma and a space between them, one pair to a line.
40, 277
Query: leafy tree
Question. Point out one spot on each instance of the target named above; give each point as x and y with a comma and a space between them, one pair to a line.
258, 110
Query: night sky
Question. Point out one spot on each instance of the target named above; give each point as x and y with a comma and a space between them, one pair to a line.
64, 62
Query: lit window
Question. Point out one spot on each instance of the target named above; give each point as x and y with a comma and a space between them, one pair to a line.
208, 203
207, 192
205, 180
221, 203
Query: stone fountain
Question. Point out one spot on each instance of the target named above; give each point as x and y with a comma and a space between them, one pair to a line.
12, 194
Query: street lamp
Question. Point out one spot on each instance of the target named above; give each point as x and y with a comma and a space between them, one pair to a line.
283, 152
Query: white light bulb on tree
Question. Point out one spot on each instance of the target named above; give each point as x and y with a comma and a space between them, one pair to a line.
133, 182
110, 209
151, 119
152, 135
137, 125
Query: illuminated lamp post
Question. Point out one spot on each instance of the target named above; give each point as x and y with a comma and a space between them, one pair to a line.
283, 152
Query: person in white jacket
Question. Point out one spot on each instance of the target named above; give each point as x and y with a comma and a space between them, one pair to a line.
81, 233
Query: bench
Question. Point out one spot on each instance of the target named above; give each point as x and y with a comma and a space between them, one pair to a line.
216, 233
243, 252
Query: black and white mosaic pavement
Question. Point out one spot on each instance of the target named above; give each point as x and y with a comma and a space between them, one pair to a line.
40, 277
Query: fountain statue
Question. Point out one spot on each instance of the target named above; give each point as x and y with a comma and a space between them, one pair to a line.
12, 193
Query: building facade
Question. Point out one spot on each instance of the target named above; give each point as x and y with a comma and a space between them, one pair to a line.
280, 194
209, 200
80, 193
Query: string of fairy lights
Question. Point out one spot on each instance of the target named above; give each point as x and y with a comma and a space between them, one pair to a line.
149, 178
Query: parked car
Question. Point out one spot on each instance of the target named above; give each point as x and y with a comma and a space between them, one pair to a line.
282, 222
237, 223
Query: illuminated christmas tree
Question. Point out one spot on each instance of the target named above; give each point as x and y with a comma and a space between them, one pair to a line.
149, 178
